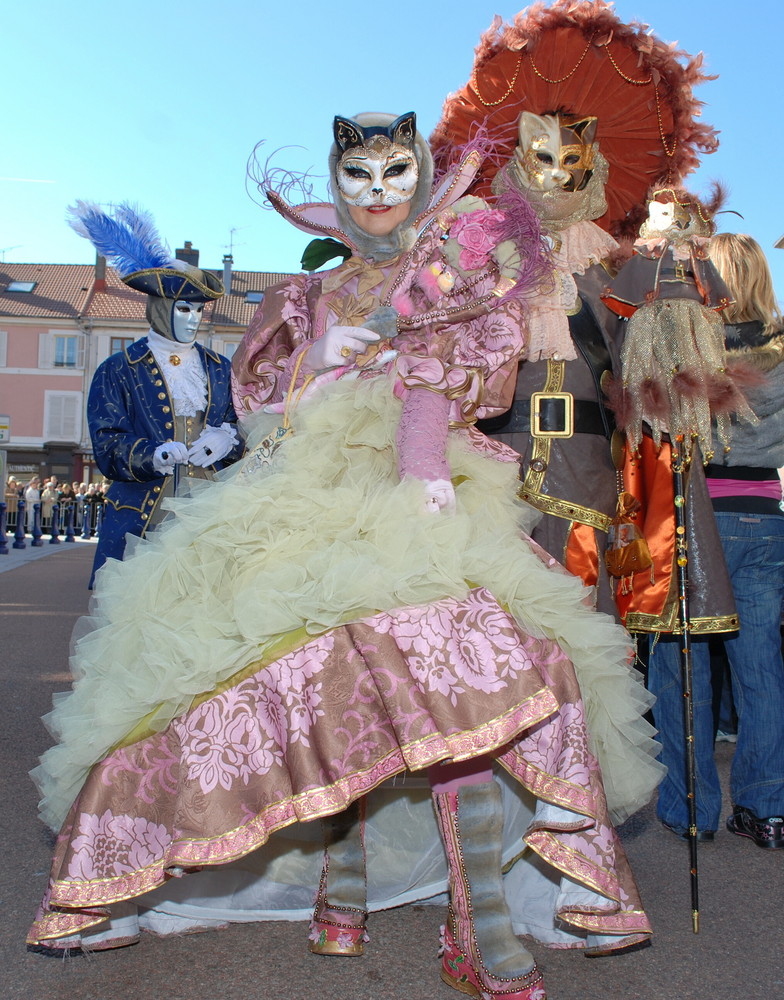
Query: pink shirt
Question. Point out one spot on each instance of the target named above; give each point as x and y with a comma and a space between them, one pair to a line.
745, 488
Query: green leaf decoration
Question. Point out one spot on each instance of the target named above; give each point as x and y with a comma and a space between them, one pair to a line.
318, 252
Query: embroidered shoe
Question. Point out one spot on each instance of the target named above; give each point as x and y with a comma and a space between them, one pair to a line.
458, 972
335, 933
768, 832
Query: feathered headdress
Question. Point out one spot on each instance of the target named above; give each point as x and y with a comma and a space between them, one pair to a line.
131, 243
577, 57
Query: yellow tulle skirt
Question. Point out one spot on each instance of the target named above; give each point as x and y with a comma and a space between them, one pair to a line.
248, 568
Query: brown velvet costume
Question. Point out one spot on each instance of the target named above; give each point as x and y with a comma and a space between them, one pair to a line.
576, 491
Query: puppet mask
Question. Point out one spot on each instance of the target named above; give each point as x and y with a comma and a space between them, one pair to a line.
673, 219
377, 164
555, 153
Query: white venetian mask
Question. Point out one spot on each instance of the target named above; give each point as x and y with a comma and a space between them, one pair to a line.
380, 174
186, 317
555, 154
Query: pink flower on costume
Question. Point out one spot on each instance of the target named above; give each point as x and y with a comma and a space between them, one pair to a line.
153, 762
294, 310
224, 741
110, 845
557, 745
474, 232
271, 713
304, 713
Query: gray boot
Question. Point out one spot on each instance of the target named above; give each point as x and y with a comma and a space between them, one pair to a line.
338, 925
482, 956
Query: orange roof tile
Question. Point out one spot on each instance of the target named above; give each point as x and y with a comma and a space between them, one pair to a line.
60, 289
64, 290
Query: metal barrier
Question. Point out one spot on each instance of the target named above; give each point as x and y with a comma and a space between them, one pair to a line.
66, 517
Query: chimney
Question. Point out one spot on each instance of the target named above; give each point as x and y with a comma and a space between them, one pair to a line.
188, 254
228, 260
99, 285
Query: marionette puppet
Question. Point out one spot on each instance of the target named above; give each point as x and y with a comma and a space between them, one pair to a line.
557, 94
677, 399
164, 403
676, 385
361, 603
675, 372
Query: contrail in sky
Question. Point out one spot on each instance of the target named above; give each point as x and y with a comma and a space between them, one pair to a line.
25, 180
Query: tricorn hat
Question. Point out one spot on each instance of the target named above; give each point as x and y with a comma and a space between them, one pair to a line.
131, 243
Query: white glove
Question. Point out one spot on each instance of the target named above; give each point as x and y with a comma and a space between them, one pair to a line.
439, 496
338, 346
213, 444
167, 455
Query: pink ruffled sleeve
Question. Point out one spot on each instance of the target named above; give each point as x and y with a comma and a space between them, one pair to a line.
421, 435
277, 334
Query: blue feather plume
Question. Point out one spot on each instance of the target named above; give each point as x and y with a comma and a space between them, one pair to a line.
129, 240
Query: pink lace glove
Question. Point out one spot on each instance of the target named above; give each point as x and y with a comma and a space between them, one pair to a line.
421, 445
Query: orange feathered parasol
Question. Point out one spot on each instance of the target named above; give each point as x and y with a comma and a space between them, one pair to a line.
579, 58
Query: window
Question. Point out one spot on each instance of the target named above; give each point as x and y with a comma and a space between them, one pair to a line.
3, 348
63, 416
254, 296
118, 344
65, 351
227, 348
21, 286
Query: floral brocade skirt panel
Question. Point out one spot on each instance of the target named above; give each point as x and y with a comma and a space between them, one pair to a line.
324, 725
226, 712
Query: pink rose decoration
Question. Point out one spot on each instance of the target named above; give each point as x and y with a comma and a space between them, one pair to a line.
476, 232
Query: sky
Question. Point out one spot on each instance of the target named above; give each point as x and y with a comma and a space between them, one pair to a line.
161, 104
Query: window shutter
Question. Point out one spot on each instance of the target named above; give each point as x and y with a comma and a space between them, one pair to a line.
63, 416
45, 347
3, 348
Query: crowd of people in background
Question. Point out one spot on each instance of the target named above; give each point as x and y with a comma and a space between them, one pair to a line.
47, 492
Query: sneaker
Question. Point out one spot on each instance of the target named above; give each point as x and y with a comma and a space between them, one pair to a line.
722, 737
767, 832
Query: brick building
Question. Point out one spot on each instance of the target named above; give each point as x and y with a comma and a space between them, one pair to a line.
58, 322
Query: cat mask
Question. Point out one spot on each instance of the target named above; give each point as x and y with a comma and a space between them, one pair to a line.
377, 165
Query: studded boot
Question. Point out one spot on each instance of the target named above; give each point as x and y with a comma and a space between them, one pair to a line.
481, 956
338, 925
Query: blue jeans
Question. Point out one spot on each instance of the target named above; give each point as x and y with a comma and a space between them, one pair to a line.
754, 551
664, 680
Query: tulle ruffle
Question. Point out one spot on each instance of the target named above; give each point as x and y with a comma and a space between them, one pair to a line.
251, 568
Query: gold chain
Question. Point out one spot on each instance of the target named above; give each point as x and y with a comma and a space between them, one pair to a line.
509, 89
669, 151
571, 71
628, 79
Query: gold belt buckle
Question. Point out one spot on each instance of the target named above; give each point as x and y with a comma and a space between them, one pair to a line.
537, 430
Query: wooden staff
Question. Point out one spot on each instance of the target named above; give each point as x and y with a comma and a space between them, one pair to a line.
679, 460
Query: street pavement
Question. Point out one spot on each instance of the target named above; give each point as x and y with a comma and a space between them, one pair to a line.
737, 953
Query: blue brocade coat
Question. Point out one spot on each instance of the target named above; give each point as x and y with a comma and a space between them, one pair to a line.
129, 413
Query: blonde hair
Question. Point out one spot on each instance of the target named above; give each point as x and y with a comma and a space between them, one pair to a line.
742, 264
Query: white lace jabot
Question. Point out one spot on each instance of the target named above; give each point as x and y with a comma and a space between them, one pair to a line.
187, 381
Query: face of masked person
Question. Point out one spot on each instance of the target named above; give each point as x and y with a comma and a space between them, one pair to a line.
664, 217
377, 173
554, 153
672, 219
186, 317
178, 321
